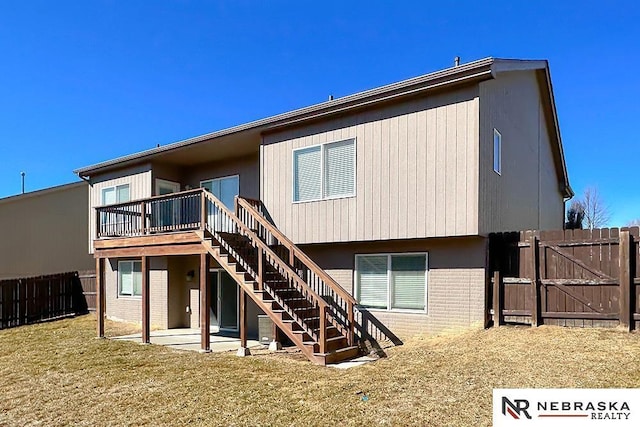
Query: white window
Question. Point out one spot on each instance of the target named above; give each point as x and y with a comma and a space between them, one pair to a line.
392, 281
497, 152
110, 196
325, 171
129, 278
116, 194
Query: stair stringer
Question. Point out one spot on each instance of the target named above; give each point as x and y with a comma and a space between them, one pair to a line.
247, 286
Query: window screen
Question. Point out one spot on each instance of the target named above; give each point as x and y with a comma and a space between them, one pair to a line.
130, 278
339, 169
372, 283
307, 174
395, 281
408, 281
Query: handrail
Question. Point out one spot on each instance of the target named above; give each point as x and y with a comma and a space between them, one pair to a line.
152, 198
150, 215
294, 252
264, 247
297, 252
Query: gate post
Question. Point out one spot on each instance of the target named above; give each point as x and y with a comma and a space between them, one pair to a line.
626, 288
535, 279
497, 306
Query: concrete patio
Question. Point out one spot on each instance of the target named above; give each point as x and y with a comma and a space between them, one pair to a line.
189, 339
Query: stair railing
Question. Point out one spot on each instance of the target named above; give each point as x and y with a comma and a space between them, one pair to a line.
340, 303
217, 219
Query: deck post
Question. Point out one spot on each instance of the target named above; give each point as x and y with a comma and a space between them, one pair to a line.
205, 304
100, 296
260, 268
143, 218
203, 211
322, 335
146, 331
351, 320
243, 350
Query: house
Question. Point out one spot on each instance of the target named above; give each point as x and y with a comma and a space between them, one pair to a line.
45, 232
358, 217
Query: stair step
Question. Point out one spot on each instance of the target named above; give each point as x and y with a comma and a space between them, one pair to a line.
287, 303
307, 308
339, 355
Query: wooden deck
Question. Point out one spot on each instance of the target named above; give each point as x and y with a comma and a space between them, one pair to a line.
161, 244
302, 300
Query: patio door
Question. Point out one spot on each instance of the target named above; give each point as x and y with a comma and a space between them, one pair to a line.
224, 302
224, 189
166, 212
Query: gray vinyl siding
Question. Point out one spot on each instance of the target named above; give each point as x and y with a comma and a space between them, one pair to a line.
416, 173
44, 232
527, 194
139, 180
247, 168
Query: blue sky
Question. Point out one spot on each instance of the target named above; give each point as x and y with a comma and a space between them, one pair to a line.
82, 82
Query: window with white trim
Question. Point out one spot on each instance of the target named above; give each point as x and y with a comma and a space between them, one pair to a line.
110, 196
325, 171
129, 278
497, 152
392, 281
115, 194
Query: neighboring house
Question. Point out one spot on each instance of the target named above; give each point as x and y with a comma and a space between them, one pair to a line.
45, 232
389, 195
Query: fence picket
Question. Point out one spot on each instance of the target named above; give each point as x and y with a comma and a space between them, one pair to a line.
584, 278
28, 300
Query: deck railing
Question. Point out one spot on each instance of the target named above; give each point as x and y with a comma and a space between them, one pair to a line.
200, 210
171, 212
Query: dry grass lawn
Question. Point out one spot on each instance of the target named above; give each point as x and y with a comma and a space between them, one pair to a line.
58, 374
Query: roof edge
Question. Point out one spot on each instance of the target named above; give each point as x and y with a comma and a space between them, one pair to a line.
297, 115
41, 192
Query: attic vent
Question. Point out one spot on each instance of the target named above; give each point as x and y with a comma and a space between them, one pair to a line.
456, 61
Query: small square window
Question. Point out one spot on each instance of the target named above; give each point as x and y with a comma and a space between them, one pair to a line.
129, 278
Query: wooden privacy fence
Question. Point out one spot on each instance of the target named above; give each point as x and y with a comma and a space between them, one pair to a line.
35, 299
88, 284
585, 278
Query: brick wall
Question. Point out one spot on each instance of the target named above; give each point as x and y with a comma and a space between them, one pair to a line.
455, 287
129, 309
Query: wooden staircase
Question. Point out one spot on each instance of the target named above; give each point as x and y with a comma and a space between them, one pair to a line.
299, 297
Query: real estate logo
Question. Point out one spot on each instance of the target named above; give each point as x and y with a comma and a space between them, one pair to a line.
516, 409
565, 407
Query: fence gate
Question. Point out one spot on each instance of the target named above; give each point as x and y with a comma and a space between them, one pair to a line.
586, 278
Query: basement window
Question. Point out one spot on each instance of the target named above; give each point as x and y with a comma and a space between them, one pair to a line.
129, 278
392, 281
497, 152
325, 171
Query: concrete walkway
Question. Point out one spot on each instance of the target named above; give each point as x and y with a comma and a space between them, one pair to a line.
189, 339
